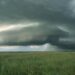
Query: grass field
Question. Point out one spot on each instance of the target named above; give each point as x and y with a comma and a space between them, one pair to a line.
37, 63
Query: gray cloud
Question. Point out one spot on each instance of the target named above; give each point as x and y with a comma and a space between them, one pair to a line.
32, 22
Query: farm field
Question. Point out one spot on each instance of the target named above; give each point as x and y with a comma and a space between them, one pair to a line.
37, 63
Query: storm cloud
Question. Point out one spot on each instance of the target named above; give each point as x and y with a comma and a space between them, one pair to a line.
37, 22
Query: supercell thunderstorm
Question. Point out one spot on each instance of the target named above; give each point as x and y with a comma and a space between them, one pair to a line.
37, 25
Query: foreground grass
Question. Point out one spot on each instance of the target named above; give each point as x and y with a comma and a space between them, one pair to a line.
37, 63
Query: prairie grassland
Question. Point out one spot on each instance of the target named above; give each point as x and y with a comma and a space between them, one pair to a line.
37, 63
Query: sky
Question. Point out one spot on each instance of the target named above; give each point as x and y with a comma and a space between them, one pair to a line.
37, 25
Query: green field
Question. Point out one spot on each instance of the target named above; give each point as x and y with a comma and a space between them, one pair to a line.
37, 63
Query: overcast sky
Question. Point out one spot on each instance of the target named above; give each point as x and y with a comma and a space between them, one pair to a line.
37, 25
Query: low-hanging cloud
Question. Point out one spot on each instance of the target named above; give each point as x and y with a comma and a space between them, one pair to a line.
32, 22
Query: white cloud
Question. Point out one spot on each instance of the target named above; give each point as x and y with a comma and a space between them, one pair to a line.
10, 27
45, 47
63, 28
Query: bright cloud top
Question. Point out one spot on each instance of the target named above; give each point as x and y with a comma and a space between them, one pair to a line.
10, 27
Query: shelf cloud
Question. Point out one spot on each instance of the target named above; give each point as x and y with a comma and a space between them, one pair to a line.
37, 22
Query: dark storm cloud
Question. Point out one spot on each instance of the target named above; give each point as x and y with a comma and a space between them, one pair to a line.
31, 22
50, 10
